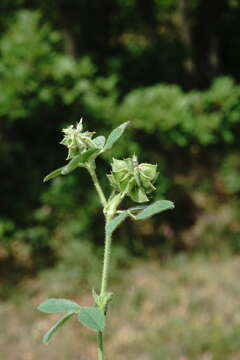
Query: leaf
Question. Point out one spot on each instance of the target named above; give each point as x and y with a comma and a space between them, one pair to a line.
92, 317
58, 305
56, 326
77, 160
115, 135
136, 208
53, 174
72, 165
85, 156
99, 141
115, 222
155, 208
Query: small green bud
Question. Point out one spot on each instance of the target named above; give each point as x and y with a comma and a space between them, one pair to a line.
102, 301
76, 140
135, 179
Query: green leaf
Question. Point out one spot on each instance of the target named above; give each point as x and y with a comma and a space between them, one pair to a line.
77, 160
115, 135
85, 156
92, 317
155, 208
72, 165
53, 174
99, 141
56, 326
136, 208
115, 222
58, 305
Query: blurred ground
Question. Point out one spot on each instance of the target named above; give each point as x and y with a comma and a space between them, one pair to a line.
186, 309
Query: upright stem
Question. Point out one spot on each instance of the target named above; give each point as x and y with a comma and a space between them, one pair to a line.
105, 272
106, 261
107, 253
100, 345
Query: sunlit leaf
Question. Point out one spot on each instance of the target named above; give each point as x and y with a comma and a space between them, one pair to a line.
72, 165
136, 208
115, 222
56, 326
53, 174
99, 141
78, 160
92, 317
115, 135
86, 156
58, 305
155, 208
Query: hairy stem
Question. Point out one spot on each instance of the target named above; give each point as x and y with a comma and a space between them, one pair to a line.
107, 248
100, 345
107, 253
91, 169
105, 273
106, 262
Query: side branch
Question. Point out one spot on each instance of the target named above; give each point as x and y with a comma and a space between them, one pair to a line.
97, 185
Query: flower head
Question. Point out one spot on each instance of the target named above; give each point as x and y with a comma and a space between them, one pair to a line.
135, 179
76, 140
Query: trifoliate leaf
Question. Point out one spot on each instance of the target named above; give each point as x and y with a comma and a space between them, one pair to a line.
155, 208
56, 326
99, 141
87, 154
115, 135
58, 305
136, 208
72, 165
92, 317
115, 222
53, 174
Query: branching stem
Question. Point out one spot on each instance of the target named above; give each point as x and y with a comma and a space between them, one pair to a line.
105, 274
109, 213
106, 262
107, 254
91, 169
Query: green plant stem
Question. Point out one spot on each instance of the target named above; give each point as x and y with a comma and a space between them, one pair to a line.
105, 274
107, 249
100, 345
107, 253
91, 169
106, 261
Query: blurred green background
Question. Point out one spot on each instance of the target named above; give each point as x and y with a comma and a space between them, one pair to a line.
171, 67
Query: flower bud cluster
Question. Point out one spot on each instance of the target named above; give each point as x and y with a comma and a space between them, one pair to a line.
76, 140
134, 179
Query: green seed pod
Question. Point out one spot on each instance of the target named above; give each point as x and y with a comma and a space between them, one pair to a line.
76, 140
136, 180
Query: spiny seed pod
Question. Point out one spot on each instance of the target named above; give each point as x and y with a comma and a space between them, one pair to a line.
135, 179
76, 140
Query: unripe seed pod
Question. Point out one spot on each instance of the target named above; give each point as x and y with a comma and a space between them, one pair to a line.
76, 140
135, 179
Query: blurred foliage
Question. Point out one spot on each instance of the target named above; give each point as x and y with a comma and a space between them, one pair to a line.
45, 76
40, 86
51, 75
198, 117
